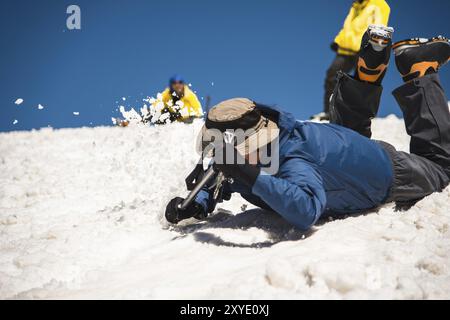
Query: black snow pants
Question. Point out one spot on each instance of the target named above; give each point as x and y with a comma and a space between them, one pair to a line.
427, 118
340, 63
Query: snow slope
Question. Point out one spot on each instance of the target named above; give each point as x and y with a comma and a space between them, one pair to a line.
81, 217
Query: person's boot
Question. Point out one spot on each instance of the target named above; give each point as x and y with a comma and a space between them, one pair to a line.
374, 54
419, 57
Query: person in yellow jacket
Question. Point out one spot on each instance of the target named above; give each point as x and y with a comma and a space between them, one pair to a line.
362, 14
179, 95
176, 103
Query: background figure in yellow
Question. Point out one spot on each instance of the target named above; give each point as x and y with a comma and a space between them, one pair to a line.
347, 43
176, 103
179, 94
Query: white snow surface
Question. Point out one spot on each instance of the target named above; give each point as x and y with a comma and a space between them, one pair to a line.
81, 216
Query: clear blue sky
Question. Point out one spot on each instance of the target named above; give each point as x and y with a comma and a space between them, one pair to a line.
273, 51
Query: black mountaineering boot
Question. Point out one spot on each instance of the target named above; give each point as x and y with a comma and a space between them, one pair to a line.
419, 57
374, 54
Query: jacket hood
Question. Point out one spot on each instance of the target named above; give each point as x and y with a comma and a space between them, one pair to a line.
285, 120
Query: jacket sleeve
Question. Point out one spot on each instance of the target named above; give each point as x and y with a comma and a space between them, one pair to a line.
342, 39
166, 96
194, 105
347, 25
297, 193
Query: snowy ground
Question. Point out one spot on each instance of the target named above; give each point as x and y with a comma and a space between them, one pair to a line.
81, 217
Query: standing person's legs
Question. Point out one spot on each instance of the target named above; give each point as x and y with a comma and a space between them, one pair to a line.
340, 63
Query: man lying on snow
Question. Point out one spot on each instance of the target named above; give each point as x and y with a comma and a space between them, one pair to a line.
336, 168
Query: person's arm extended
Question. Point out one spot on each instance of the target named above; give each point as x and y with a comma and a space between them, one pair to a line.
341, 39
166, 96
297, 194
204, 202
194, 104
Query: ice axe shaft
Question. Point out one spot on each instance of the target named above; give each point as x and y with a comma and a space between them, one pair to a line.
191, 197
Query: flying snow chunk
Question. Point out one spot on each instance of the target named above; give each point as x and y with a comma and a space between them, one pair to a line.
123, 98
164, 117
40, 106
132, 116
212, 84
190, 85
19, 101
75, 113
15, 122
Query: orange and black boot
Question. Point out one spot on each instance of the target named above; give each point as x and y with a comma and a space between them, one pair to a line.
419, 57
374, 55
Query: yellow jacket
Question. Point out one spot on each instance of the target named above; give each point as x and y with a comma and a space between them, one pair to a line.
191, 104
358, 20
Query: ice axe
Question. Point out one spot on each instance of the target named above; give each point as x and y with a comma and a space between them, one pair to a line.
202, 179
206, 178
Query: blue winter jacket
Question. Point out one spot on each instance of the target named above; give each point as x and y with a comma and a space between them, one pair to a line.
324, 168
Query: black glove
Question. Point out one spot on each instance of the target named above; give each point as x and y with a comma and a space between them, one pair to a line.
174, 214
334, 47
245, 173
